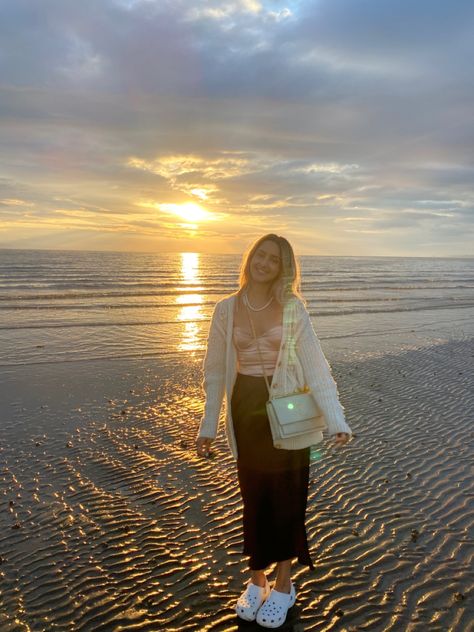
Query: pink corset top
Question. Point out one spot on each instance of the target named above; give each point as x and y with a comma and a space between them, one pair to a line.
249, 362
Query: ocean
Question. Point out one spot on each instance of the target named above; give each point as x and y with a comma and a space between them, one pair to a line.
63, 306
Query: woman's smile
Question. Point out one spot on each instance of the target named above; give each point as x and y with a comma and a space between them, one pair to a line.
266, 261
264, 272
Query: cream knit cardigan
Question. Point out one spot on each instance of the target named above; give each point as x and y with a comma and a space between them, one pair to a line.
300, 362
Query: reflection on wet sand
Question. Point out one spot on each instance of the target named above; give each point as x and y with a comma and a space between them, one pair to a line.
112, 522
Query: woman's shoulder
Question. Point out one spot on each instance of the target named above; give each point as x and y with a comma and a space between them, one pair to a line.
297, 312
224, 304
298, 303
228, 300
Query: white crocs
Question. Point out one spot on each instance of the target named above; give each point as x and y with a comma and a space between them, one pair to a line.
251, 599
273, 612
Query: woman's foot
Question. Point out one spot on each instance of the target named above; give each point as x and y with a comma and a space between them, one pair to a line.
258, 578
283, 586
251, 599
273, 612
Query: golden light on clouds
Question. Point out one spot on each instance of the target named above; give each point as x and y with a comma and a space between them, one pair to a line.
200, 193
200, 177
15, 202
170, 167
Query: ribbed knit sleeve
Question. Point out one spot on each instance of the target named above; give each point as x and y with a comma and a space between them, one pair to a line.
214, 371
318, 374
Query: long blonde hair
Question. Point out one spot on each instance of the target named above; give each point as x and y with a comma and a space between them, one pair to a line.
288, 281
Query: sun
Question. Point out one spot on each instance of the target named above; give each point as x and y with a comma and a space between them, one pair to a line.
189, 211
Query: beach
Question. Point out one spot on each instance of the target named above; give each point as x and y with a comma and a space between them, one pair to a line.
111, 522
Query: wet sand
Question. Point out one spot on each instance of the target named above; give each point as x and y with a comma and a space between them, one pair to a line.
110, 522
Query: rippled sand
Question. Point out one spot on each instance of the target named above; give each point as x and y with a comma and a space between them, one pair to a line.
110, 522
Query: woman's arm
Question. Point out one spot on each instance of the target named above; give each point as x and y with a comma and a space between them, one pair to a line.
214, 369
317, 373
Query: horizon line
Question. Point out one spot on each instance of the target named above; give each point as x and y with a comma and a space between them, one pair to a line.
171, 252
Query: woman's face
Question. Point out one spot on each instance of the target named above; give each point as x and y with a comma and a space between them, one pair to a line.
265, 263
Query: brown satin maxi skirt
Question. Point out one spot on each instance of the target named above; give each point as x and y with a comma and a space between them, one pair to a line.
273, 483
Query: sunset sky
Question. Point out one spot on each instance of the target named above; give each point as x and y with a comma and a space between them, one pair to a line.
179, 125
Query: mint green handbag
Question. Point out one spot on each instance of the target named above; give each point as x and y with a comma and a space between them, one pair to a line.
292, 415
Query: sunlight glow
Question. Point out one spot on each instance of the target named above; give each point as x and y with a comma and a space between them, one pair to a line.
189, 211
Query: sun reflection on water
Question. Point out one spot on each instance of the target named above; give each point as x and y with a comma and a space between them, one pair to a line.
190, 312
190, 266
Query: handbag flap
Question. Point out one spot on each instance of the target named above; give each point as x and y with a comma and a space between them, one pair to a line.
294, 408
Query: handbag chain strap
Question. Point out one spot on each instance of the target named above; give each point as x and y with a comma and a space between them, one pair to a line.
258, 348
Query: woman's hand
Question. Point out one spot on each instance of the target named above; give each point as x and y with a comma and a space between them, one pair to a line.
203, 446
341, 438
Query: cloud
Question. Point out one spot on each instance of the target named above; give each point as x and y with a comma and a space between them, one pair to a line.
227, 165
15, 202
338, 116
222, 10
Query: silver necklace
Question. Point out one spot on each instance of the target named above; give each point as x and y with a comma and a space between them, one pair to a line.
256, 309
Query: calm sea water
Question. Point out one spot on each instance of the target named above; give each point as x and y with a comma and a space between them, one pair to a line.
62, 306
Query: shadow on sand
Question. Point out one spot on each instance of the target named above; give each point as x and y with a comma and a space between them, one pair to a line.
292, 623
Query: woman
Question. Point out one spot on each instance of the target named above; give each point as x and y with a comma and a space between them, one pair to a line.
273, 481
